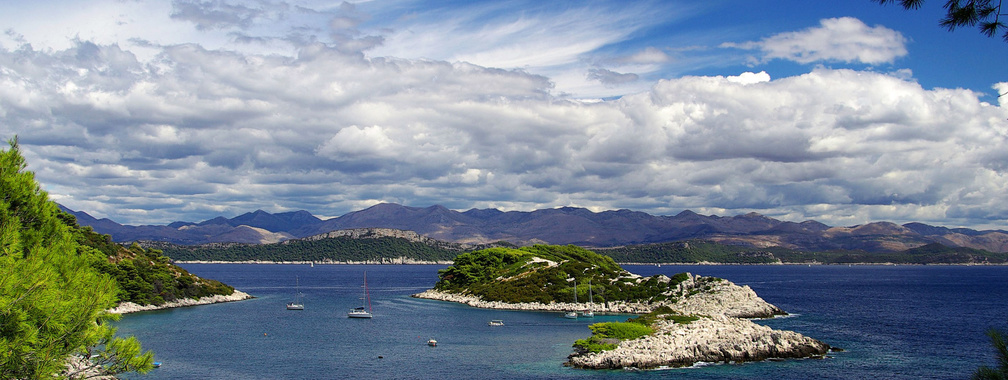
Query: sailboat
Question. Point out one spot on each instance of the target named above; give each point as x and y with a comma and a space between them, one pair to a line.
588, 312
297, 304
573, 314
362, 311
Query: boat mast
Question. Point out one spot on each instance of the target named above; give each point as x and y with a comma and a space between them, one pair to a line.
366, 294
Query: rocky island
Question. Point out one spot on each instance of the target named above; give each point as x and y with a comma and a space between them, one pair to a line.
684, 319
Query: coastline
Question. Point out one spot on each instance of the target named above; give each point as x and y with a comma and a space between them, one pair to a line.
130, 307
720, 297
723, 332
383, 261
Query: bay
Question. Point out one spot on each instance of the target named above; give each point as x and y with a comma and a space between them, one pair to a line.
894, 322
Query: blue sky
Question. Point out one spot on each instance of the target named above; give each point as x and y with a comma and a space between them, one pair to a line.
848, 112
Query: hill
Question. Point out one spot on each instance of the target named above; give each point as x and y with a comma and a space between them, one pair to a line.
365, 245
566, 225
144, 276
702, 251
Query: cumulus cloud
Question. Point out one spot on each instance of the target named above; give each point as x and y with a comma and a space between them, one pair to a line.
844, 39
207, 132
189, 131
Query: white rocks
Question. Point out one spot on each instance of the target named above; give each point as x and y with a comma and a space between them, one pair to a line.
710, 339
130, 307
720, 335
717, 296
712, 296
611, 307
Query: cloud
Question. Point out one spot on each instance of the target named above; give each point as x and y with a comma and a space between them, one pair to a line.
844, 39
608, 77
214, 14
750, 78
154, 131
649, 55
206, 132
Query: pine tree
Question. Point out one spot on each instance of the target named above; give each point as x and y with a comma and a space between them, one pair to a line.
1001, 372
52, 302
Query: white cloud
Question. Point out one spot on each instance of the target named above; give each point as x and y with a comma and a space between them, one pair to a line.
844, 39
192, 130
750, 78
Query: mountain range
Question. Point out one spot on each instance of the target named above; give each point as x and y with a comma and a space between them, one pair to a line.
565, 225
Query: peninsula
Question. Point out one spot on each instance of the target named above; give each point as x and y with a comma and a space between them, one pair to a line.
685, 319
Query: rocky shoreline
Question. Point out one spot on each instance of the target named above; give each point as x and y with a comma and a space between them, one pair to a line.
130, 307
718, 297
721, 334
715, 339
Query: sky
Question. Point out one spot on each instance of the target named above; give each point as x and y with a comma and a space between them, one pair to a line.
845, 112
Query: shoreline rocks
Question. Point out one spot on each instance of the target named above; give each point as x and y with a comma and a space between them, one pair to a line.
130, 307
723, 332
715, 339
703, 296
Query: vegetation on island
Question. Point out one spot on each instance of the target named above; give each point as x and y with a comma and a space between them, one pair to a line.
338, 249
607, 335
53, 302
548, 273
701, 251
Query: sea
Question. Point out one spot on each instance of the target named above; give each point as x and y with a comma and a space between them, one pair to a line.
892, 322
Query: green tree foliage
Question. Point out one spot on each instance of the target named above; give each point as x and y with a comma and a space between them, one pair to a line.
983, 13
1001, 346
606, 335
547, 273
144, 276
52, 302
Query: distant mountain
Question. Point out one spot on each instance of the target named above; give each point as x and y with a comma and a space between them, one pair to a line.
565, 225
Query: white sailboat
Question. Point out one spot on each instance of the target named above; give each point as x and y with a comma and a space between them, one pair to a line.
296, 304
588, 313
362, 311
573, 314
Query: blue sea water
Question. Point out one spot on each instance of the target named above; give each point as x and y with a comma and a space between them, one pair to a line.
893, 322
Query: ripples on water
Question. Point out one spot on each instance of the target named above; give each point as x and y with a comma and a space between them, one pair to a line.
894, 322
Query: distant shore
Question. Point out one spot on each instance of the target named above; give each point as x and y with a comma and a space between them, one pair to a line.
130, 307
384, 261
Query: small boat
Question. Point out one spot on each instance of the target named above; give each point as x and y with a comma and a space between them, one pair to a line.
573, 314
496, 322
157, 364
432, 343
297, 304
362, 312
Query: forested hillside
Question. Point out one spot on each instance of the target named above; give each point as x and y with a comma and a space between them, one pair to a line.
548, 273
367, 248
702, 251
144, 276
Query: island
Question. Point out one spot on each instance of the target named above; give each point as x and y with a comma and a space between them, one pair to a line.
682, 320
